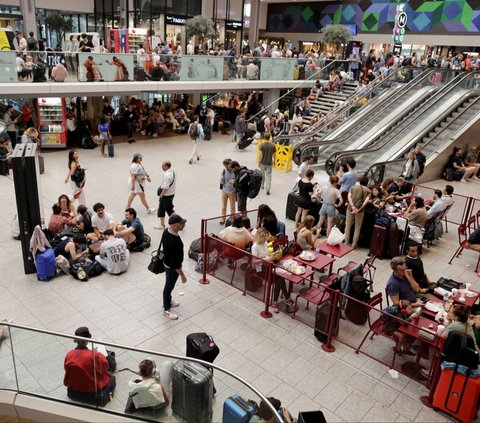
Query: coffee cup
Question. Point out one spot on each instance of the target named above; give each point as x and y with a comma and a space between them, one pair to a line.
440, 329
454, 292
461, 299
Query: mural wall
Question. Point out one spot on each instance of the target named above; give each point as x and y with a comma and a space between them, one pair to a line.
377, 16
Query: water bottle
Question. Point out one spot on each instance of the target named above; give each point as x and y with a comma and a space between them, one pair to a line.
446, 296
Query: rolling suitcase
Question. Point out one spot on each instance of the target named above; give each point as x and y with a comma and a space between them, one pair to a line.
367, 227
392, 245
45, 264
110, 149
41, 165
322, 321
192, 392
237, 410
291, 209
377, 245
4, 167
202, 346
207, 133
457, 395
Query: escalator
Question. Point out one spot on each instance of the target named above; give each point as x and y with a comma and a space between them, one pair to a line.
435, 140
374, 120
413, 128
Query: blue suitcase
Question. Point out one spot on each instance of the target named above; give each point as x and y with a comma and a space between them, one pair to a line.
45, 263
237, 410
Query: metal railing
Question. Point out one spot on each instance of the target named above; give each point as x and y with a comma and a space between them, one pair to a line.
32, 363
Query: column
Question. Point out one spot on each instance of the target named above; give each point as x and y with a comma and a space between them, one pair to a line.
270, 98
27, 8
253, 29
123, 14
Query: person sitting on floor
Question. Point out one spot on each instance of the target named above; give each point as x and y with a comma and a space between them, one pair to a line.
237, 234
398, 288
86, 373
131, 230
58, 221
114, 255
404, 311
84, 219
75, 250
147, 392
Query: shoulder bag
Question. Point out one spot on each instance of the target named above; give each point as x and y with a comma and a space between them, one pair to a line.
156, 262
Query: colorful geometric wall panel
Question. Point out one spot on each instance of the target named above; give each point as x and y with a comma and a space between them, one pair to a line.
435, 17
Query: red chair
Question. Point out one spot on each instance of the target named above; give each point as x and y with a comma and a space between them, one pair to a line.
443, 216
464, 231
367, 267
376, 327
316, 295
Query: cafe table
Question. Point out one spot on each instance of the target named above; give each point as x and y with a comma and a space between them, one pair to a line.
415, 329
337, 251
320, 262
292, 279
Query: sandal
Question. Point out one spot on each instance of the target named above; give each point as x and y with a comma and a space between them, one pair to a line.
275, 308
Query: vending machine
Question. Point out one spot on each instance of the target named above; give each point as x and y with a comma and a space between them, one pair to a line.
52, 122
126, 40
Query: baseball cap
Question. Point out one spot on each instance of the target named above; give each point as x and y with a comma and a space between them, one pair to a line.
137, 155
176, 219
84, 332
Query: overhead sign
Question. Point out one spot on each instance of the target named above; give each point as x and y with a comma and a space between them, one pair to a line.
233, 25
175, 19
401, 19
397, 48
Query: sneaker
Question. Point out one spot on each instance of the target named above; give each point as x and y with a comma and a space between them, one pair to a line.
222, 222
463, 180
276, 308
170, 315
198, 158
268, 192
190, 161
425, 373
130, 141
159, 227
173, 303
151, 210
476, 178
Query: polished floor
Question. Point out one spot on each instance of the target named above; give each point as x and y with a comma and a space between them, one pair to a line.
279, 356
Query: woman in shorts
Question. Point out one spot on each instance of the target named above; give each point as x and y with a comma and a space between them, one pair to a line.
329, 195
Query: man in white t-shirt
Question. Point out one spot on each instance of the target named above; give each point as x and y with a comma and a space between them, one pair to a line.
114, 254
166, 192
101, 221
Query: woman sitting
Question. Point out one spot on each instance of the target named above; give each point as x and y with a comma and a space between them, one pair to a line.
66, 205
148, 392
84, 220
267, 219
237, 234
416, 212
305, 238
58, 221
376, 199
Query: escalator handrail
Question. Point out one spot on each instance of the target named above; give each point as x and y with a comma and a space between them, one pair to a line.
443, 116
346, 106
378, 109
436, 97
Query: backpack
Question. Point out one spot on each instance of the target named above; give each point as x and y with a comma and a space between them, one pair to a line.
255, 183
359, 288
261, 125
459, 348
193, 131
407, 62
31, 43
195, 248
78, 176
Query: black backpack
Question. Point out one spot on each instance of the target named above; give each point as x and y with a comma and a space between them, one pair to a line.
359, 288
459, 348
31, 43
255, 183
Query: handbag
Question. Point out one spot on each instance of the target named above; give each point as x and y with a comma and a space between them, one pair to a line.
156, 262
336, 237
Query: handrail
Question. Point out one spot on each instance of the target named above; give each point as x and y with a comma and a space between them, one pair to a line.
378, 108
347, 105
310, 78
443, 116
332, 161
144, 351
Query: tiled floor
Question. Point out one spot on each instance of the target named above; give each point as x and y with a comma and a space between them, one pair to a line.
279, 356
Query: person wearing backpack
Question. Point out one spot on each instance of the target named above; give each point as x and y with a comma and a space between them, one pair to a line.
195, 134
32, 44
241, 183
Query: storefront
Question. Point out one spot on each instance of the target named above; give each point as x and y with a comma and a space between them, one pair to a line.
175, 28
233, 33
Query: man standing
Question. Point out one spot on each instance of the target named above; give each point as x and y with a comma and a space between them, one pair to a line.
130, 116
114, 254
302, 169
358, 198
195, 133
86, 373
228, 190
267, 159
240, 127
10, 124
141, 56
421, 159
166, 192
131, 230
348, 180
172, 246
241, 183
22, 42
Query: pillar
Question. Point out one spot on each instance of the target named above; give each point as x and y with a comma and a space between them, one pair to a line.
270, 98
27, 8
253, 28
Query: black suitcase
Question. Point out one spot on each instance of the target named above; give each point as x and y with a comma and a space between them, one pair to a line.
4, 167
367, 227
41, 165
322, 321
392, 245
377, 245
244, 143
111, 149
291, 209
207, 133
202, 346
192, 392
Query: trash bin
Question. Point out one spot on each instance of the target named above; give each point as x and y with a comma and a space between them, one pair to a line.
311, 417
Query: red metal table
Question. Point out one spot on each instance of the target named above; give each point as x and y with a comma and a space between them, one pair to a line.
423, 323
338, 251
321, 261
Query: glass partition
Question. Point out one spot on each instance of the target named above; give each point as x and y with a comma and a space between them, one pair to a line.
172, 388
